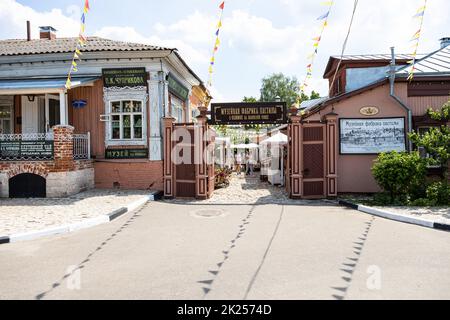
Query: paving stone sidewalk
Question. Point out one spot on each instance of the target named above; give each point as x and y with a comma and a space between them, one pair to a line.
25, 215
251, 190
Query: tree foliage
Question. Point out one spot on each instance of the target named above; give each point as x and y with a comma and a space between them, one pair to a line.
280, 86
399, 173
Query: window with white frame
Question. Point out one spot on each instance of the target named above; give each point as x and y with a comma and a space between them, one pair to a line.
127, 120
177, 109
6, 115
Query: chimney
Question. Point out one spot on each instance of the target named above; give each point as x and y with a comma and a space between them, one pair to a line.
47, 33
28, 31
445, 42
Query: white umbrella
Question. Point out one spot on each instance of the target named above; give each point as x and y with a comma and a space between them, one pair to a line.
279, 138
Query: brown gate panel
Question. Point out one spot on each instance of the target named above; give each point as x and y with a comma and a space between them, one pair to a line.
313, 164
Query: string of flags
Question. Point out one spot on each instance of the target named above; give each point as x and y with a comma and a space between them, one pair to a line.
416, 39
312, 56
216, 45
81, 42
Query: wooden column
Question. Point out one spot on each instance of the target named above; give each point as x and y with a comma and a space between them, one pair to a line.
295, 156
169, 183
332, 154
200, 143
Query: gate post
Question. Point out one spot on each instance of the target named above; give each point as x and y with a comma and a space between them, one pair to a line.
200, 145
169, 185
296, 146
331, 141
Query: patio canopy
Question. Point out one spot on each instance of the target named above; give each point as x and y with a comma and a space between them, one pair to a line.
42, 84
245, 146
279, 138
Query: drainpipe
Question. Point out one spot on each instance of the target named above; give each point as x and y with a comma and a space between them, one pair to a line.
392, 94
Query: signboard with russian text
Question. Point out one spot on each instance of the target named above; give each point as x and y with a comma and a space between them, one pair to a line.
126, 153
248, 113
372, 136
176, 88
124, 77
26, 150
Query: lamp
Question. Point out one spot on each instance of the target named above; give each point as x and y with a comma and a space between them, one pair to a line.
31, 97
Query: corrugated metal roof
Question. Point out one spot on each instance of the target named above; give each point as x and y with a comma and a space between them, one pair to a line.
436, 63
308, 104
67, 45
371, 57
55, 83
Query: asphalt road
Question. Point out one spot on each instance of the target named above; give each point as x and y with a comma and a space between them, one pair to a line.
173, 251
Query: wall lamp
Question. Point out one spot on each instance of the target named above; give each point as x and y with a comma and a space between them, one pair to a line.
31, 97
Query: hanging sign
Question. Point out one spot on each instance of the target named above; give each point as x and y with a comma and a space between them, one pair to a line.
78, 104
248, 113
177, 88
124, 77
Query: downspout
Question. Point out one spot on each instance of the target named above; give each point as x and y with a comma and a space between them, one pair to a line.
392, 94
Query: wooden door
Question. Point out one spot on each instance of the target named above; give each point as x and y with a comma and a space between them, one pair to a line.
30, 115
185, 179
313, 156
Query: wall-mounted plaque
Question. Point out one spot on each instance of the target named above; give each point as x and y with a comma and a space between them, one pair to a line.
369, 111
124, 77
249, 113
26, 150
372, 136
126, 154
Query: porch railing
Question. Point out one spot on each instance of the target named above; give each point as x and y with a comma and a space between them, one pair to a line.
82, 146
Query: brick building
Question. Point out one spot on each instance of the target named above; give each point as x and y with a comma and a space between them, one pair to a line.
105, 131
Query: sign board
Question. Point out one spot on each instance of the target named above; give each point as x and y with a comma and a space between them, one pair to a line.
26, 150
176, 88
372, 136
126, 154
124, 77
369, 111
249, 113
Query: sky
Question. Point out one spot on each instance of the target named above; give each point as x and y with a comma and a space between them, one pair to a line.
258, 37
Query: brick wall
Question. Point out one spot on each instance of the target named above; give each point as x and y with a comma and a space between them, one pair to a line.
141, 175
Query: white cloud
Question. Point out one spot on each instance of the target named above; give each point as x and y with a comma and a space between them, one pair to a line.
13, 17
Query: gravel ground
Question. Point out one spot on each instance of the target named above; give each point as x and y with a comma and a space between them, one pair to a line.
251, 190
24, 215
435, 214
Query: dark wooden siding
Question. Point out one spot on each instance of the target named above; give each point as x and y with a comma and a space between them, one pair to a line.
87, 119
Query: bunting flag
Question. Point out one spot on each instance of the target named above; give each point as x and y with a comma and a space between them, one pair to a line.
81, 42
312, 56
416, 39
216, 44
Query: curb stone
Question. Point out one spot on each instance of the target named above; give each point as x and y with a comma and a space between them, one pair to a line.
394, 216
105, 218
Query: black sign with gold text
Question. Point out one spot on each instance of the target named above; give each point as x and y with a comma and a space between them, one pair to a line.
248, 113
124, 77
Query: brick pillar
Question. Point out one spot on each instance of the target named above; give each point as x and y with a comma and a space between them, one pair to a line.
295, 156
63, 148
168, 163
332, 154
200, 145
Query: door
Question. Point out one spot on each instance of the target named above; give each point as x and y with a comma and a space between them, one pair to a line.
30, 114
313, 161
52, 111
6, 115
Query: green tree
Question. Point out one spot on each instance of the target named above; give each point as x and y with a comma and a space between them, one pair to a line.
399, 174
314, 95
249, 99
280, 86
437, 140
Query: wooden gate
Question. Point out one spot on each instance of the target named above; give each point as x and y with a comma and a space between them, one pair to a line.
193, 177
313, 164
312, 155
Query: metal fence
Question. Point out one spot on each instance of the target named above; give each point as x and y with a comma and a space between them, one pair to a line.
82, 146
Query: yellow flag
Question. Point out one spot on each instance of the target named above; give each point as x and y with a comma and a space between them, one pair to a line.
219, 25
74, 64
327, 3
68, 83
217, 42
78, 52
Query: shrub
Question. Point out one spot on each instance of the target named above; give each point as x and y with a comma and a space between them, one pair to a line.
438, 193
421, 202
399, 174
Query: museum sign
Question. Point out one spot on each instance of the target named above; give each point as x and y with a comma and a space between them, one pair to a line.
248, 113
26, 150
124, 77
